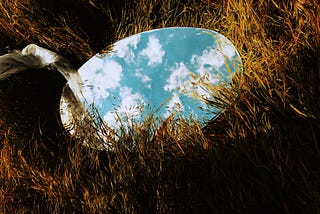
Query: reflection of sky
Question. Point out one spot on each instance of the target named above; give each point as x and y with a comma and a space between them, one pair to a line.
154, 67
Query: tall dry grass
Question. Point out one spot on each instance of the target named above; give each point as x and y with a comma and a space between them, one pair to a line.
260, 155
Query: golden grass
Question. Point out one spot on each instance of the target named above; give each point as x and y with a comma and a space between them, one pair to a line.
260, 155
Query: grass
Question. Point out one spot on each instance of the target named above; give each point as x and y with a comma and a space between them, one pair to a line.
261, 155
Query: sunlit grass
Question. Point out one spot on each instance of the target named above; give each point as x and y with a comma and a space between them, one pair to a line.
259, 155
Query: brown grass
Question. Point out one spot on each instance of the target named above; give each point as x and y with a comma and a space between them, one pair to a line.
261, 155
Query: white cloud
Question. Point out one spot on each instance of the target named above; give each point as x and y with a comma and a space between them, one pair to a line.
99, 79
179, 78
124, 48
203, 93
211, 57
153, 51
90, 67
129, 101
228, 50
110, 119
129, 107
144, 78
112, 73
209, 61
174, 105
226, 46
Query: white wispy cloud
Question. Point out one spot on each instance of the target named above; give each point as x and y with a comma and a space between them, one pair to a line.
179, 78
100, 78
90, 67
124, 48
111, 120
209, 61
153, 51
129, 107
211, 57
174, 105
226, 46
143, 77
202, 92
112, 73
129, 101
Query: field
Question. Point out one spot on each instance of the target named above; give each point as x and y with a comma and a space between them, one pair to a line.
261, 155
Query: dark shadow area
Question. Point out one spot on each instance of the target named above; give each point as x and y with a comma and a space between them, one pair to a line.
31, 99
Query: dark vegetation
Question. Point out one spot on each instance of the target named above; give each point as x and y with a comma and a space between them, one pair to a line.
261, 155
